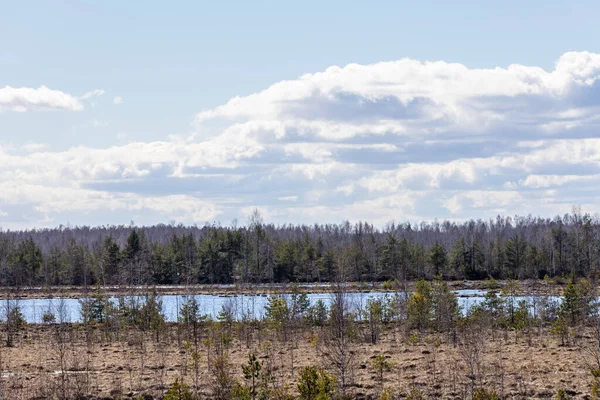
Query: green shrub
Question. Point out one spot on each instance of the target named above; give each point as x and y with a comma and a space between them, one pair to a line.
381, 365
316, 384
280, 394
15, 319
415, 394
387, 394
420, 306
485, 394
178, 391
560, 328
241, 392
595, 384
390, 285
316, 315
561, 394
48, 318
252, 374
490, 283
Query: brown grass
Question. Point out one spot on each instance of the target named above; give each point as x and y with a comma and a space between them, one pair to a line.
520, 369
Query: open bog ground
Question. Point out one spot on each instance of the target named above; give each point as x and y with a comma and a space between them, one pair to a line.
524, 366
432, 341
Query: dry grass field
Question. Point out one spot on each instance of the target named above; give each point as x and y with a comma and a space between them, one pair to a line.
525, 367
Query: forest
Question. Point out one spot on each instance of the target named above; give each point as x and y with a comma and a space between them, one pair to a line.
422, 341
504, 247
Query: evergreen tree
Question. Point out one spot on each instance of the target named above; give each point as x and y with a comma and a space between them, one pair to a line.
515, 251
390, 257
27, 263
460, 259
110, 257
438, 258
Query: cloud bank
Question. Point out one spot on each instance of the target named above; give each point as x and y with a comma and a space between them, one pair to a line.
402, 140
42, 98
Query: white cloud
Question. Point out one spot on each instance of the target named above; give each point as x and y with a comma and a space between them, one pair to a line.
395, 140
453, 204
33, 147
118, 100
42, 98
419, 174
346, 189
546, 181
377, 211
408, 96
92, 93
179, 207
50, 200
288, 198
492, 201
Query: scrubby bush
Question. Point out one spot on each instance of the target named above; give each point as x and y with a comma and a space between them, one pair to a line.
485, 394
387, 394
578, 301
316, 314
14, 323
375, 312
178, 391
415, 394
241, 392
252, 375
223, 382
419, 311
381, 365
562, 395
595, 383
316, 384
48, 317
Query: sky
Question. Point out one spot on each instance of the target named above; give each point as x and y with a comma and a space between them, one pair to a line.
199, 112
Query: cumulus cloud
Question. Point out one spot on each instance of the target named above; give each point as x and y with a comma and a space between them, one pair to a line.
409, 97
42, 98
117, 100
546, 181
402, 140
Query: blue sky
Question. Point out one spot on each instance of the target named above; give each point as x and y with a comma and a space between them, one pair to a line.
139, 119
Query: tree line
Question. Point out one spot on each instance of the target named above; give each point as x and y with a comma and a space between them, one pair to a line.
501, 248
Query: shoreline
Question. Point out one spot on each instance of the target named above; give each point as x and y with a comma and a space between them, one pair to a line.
527, 287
